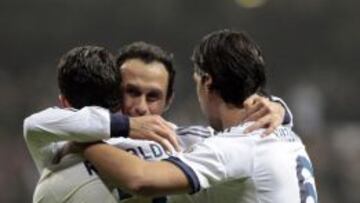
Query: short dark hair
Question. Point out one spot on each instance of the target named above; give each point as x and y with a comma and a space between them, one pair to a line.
149, 53
87, 75
234, 62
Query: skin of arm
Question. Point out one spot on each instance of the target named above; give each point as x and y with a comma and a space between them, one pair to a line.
135, 175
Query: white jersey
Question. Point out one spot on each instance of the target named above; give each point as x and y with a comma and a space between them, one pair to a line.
235, 167
75, 180
44, 132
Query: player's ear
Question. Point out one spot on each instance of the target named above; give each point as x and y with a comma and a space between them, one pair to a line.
64, 103
207, 81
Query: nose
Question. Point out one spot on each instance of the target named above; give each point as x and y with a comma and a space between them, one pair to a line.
142, 107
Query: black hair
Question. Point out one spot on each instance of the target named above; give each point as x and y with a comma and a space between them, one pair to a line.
149, 53
87, 75
234, 62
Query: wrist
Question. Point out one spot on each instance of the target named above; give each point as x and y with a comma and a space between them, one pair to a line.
119, 125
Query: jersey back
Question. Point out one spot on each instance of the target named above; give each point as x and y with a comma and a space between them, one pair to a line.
75, 180
238, 167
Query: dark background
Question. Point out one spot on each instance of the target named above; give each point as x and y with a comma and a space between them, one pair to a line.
311, 48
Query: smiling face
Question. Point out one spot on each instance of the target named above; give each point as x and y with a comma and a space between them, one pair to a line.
144, 87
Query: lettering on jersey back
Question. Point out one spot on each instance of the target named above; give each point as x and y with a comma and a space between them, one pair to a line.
285, 134
147, 152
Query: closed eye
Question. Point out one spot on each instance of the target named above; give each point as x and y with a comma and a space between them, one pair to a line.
132, 91
154, 96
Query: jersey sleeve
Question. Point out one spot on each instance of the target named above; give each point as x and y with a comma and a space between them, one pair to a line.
43, 131
214, 161
55, 124
288, 118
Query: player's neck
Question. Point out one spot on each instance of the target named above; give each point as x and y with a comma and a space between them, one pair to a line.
228, 116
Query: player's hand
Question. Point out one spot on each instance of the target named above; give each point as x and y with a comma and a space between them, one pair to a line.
265, 113
154, 128
69, 148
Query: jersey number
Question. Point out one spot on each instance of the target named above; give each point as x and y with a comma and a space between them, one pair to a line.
307, 189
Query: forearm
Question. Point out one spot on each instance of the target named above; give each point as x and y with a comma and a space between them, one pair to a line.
135, 175
86, 125
43, 131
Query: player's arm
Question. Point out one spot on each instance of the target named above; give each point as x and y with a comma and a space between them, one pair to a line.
267, 113
55, 124
135, 175
43, 131
94, 123
202, 167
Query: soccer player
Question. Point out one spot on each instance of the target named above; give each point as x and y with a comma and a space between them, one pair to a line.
231, 165
147, 89
87, 76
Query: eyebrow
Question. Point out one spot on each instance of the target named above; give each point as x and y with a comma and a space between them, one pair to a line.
152, 89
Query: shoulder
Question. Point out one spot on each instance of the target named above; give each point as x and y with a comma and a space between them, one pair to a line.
195, 130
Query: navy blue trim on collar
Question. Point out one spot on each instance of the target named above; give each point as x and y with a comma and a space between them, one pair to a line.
188, 171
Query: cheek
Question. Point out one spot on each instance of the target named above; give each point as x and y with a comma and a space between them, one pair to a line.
128, 103
202, 98
157, 107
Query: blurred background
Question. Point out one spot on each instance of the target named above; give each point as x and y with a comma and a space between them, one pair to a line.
311, 48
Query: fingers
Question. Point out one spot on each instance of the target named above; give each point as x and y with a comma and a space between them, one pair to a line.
57, 157
261, 123
61, 152
167, 132
266, 122
68, 148
265, 113
269, 130
261, 112
169, 136
154, 128
170, 125
162, 141
166, 145
254, 104
251, 100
